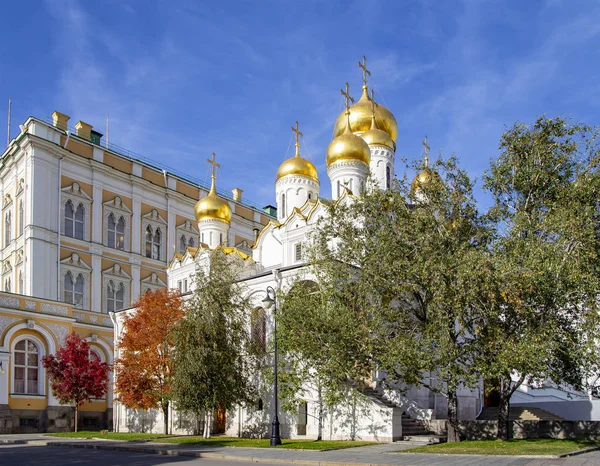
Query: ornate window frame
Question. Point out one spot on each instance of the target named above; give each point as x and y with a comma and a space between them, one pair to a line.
118, 276
118, 209
154, 220
77, 196
41, 391
152, 282
188, 231
76, 266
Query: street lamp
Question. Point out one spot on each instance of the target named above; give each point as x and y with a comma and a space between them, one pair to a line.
268, 303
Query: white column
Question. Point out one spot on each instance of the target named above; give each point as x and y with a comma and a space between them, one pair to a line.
96, 301
171, 235
97, 213
4, 378
136, 225
135, 282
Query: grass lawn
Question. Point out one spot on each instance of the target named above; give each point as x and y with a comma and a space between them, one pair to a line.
541, 446
218, 441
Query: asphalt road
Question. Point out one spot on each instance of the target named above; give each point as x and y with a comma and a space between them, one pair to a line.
30, 455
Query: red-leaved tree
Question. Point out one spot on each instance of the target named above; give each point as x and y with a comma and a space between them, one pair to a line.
144, 369
76, 374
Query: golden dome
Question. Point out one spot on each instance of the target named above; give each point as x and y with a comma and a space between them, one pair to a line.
212, 206
377, 137
427, 176
297, 166
360, 118
348, 146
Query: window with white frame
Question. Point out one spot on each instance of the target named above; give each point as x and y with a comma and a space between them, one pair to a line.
115, 296
21, 218
153, 242
74, 220
191, 243
7, 228
298, 252
21, 283
388, 177
116, 232
7, 285
73, 291
182, 244
26, 367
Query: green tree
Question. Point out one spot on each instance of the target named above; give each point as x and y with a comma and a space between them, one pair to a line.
541, 292
402, 278
213, 367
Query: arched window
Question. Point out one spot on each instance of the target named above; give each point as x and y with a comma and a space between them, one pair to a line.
7, 285
21, 217
282, 205
191, 243
73, 290
148, 241
79, 213
387, 177
258, 322
26, 365
70, 219
20, 290
112, 231
203, 237
220, 238
156, 245
7, 228
182, 244
120, 240
115, 298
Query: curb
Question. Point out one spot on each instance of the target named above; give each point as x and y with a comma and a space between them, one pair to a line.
198, 454
579, 452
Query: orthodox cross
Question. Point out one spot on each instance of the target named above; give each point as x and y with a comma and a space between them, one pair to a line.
214, 164
366, 72
347, 96
298, 134
426, 151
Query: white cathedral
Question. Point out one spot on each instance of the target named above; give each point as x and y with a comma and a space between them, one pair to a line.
363, 148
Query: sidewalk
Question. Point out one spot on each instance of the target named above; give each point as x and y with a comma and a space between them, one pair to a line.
382, 454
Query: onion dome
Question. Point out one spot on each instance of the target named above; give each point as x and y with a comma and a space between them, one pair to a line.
297, 166
360, 118
212, 206
348, 146
427, 176
376, 136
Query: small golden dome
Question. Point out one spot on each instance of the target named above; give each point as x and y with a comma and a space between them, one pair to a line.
377, 137
424, 179
299, 166
360, 118
212, 206
348, 146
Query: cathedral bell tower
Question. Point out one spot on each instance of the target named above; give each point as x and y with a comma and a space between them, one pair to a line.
297, 182
213, 214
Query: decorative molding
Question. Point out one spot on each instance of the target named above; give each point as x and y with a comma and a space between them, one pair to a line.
75, 190
188, 227
60, 331
75, 261
94, 320
107, 322
6, 267
55, 309
30, 305
6, 201
19, 256
30, 324
5, 322
79, 317
153, 279
8, 301
117, 203
117, 271
154, 216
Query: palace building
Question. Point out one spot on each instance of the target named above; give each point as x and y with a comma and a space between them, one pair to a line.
85, 229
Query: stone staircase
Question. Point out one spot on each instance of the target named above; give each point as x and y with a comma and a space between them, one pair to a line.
519, 413
413, 430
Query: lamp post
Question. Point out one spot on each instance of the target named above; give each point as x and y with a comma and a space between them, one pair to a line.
268, 303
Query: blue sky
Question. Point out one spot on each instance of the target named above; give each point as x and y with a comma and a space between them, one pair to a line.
181, 79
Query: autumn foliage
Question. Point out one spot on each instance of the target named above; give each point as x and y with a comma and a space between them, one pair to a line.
144, 370
76, 375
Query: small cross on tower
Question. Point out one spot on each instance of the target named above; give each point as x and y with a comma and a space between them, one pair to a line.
347, 96
366, 72
298, 134
213, 162
426, 151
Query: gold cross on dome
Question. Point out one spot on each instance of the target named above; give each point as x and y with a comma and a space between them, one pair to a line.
298, 134
347, 96
214, 164
366, 72
426, 151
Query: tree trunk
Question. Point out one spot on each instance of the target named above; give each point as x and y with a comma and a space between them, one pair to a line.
320, 432
165, 409
207, 426
76, 415
503, 415
453, 433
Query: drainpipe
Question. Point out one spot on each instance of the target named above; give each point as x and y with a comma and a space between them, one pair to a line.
58, 218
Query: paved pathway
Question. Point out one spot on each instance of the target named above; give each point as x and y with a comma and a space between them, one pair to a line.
382, 454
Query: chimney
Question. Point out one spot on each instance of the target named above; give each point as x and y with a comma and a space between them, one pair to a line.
60, 120
84, 130
237, 194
